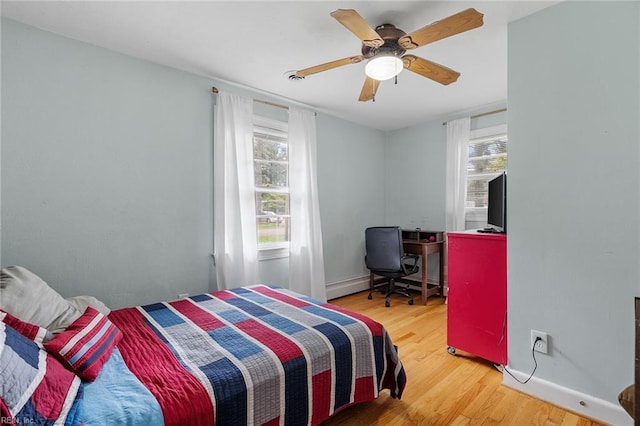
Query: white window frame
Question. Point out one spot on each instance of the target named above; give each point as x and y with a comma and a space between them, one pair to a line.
479, 214
278, 129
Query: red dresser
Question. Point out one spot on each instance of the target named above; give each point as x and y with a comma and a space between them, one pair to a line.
477, 294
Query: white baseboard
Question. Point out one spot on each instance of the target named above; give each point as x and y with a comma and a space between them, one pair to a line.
569, 399
344, 288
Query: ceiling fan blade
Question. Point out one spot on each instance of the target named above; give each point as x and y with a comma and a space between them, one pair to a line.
329, 65
369, 89
425, 68
454, 24
358, 26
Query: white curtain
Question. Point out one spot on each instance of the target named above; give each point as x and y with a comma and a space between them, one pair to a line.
234, 226
456, 182
306, 261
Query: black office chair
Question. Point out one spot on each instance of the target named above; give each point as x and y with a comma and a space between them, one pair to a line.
384, 256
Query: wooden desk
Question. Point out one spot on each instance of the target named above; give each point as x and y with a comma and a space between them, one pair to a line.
422, 243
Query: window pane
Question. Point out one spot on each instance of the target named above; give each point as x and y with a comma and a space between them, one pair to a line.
265, 148
271, 178
487, 158
492, 165
276, 202
275, 231
272, 217
269, 174
488, 155
484, 147
477, 193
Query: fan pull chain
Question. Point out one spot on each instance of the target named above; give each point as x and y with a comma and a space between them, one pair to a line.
396, 78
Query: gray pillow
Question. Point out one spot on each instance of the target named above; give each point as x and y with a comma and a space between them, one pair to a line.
82, 302
27, 297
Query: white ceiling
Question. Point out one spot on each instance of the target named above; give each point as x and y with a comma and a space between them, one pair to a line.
255, 44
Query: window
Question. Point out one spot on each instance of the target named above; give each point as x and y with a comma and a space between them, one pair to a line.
271, 172
487, 156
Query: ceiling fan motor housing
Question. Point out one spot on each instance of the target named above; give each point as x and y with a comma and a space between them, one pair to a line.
390, 34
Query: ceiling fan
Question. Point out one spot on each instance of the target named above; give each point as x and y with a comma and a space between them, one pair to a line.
384, 47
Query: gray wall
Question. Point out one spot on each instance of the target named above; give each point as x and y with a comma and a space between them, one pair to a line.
573, 193
106, 173
106, 169
416, 172
351, 186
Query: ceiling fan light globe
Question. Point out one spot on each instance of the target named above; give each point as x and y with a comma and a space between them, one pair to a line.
383, 67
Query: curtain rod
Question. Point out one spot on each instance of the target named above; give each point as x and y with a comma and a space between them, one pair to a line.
214, 89
444, 123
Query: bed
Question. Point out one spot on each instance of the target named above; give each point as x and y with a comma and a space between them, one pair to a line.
253, 355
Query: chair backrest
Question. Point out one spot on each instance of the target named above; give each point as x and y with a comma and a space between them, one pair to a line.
383, 248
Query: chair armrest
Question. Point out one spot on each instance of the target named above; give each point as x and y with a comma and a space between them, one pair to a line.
413, 268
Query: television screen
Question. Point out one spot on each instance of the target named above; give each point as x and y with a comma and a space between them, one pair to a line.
497, 203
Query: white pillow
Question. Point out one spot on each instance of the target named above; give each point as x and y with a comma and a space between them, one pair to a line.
82, 302
27, 297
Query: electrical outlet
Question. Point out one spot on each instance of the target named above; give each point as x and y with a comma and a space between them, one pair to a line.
541, 345
183, 295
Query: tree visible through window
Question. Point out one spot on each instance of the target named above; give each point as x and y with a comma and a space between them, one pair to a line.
271, 173
487, 156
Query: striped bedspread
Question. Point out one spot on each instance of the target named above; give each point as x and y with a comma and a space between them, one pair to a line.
256, 355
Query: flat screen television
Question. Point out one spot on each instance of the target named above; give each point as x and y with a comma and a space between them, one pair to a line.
497, 204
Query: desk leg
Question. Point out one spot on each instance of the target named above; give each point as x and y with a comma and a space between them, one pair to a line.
424, 275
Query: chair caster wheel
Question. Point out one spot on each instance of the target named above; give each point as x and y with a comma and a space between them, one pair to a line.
369, 297
451, 350
387, 304
411, 301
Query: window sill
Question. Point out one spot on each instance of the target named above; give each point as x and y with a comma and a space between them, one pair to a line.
273, 252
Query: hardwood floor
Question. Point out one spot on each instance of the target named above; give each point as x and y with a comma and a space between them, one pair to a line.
442, 389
